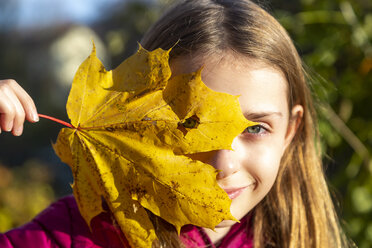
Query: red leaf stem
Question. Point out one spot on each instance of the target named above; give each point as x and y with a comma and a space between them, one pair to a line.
56, 120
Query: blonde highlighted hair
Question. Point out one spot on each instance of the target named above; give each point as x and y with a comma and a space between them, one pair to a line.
298, 211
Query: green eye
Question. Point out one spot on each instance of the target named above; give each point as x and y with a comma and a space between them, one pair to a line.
254, 129
191, 122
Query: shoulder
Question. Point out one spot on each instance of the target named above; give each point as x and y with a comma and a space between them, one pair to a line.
61, 225
56, 226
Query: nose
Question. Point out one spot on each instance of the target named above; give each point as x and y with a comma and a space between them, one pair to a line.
226, 161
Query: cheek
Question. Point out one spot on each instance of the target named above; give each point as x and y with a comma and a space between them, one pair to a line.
264, 164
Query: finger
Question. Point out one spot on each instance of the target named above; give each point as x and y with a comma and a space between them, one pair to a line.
7, 112
26, 101
19, 115
15, 111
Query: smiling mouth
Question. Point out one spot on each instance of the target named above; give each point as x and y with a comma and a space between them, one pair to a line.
235, 192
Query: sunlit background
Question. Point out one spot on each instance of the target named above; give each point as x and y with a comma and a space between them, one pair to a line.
42, 43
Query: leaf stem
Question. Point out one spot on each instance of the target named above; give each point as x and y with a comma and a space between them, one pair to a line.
56, 120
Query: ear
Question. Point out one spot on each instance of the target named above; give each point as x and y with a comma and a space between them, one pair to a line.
293, 124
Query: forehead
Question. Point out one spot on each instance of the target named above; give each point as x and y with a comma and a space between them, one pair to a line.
261, 87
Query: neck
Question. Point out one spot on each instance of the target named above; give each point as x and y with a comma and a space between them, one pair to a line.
217, 234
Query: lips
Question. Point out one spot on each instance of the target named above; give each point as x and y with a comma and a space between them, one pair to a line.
235, 192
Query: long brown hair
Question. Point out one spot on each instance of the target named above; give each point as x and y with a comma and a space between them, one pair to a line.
298, 211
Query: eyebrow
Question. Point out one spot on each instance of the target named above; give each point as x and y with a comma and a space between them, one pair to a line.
259, 115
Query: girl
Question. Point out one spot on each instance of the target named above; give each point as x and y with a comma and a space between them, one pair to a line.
274, 175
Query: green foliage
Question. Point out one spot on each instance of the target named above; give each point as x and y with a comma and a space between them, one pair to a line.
25, 191
334, 38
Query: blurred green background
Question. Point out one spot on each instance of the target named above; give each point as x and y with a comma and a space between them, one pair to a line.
42, 53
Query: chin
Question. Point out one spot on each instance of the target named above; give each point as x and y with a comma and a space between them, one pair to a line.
226, 223
240, 207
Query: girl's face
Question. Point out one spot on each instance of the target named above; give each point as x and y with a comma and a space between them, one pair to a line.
248, 172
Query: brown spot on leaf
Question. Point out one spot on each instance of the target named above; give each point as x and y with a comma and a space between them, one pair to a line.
175, 185
182, 128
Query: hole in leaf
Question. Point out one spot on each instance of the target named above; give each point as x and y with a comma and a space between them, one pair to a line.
110, 129
191, 122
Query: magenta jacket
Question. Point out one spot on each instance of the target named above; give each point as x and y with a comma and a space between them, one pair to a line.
62, 226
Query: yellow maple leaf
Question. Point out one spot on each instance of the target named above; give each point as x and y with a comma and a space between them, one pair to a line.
133, 127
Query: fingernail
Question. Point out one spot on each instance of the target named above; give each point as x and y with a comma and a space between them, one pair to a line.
18, 131
35, 117
9, 127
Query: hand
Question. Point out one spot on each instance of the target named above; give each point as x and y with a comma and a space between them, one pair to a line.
15, 106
